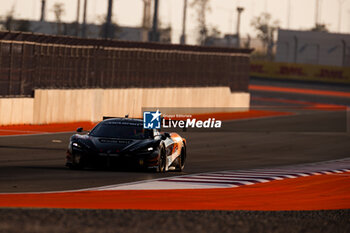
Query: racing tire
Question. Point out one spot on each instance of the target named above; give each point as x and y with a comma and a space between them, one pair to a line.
161, 161
77, 164
181, 160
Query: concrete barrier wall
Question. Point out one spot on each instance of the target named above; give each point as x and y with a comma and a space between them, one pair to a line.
16, 111
114, 103
59, 106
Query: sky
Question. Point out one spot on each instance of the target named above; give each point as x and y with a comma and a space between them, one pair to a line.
222, 15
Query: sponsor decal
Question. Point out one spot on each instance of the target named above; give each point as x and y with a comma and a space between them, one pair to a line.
298, 71
332, 74
291, 70
257, 68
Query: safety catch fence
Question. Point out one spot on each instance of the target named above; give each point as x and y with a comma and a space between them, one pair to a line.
26, 66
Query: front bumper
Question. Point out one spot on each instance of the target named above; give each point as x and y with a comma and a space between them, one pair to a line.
143, 160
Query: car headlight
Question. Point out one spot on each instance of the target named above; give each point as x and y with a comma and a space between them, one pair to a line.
74, 144
145, 150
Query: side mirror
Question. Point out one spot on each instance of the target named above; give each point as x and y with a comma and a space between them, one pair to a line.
80, 129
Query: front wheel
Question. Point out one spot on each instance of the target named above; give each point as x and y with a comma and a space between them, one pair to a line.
77, 162
181, 160
161, 161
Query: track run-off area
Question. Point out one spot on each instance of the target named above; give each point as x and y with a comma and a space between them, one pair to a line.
289, 152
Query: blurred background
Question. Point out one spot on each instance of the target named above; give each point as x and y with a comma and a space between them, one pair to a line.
260, 24
232, 44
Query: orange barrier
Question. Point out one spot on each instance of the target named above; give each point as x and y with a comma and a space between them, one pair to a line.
40, 129
294, 71
305, 193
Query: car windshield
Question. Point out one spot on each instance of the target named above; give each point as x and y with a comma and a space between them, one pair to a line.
129, 130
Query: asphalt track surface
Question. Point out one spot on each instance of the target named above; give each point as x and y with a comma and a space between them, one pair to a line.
92, 221
36, 163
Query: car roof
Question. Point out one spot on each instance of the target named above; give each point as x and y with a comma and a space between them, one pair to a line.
121, 120
130, 120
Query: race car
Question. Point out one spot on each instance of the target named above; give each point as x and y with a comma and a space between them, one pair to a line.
123, 141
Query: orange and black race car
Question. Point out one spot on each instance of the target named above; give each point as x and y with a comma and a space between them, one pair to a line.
121, 142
